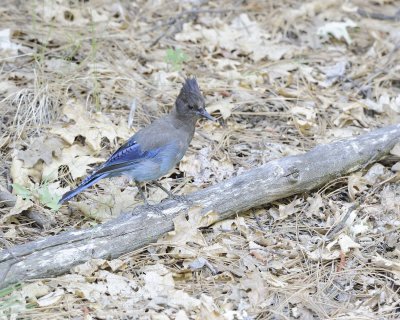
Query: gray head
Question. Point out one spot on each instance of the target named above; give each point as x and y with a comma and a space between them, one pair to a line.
190, 102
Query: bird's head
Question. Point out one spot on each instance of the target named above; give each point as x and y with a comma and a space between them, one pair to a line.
190, 102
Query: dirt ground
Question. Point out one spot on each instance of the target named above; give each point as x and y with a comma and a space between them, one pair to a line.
80, 77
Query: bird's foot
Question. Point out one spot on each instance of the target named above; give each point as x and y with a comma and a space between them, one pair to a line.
178, 198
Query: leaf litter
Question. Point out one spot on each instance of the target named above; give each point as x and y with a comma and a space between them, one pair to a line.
281, 77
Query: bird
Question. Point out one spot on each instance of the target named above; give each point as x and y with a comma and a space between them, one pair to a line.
155, 149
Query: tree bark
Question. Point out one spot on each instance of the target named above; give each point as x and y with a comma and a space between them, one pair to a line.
277, 179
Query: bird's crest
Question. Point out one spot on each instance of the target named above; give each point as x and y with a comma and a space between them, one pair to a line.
190, 87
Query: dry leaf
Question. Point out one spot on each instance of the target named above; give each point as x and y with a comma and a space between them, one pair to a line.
273, 280
356, 184
316, 206
179, 298
51, 11
76, 158
346, 243
7, 48
203, 169
396, 150
392, 102
51, 298
20, 206
393, 266
110, 204
396, 167
35, 290
333, 73
243, 35
223, 106
253, 283
40, 149
337, 30
304, 118
237, 224
22, 175
157, 280
88, 268
360, 227
184, 231
208, 309
209, 218
323, 254
117, 286
181, 315
94, 127
288, 210
376, 174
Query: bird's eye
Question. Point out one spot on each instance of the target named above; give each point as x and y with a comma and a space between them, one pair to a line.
191, 107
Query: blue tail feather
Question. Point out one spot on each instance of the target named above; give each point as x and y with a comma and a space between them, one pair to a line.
86, 183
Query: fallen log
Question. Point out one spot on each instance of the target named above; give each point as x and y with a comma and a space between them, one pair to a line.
277, 179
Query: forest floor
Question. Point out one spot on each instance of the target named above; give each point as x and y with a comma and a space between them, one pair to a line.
78, 78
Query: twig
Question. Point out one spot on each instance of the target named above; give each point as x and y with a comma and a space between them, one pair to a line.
132, 113
43, 221
342, 223
379, 16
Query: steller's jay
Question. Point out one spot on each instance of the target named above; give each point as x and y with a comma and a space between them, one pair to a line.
154, 150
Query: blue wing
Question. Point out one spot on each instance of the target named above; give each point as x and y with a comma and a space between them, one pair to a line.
128, 151
126, 156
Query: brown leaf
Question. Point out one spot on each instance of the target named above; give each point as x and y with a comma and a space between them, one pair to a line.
41, 148
77, 159
94, 127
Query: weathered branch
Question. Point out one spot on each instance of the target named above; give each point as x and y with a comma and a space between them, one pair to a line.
275, 180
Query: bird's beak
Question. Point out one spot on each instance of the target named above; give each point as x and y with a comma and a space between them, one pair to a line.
203, 112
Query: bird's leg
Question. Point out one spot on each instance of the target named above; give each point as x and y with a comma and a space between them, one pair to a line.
146, 203
170, 194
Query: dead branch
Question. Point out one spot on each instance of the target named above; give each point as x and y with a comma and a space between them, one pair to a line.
379, 16
277, 179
